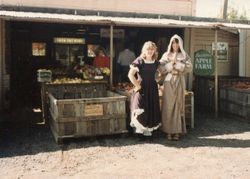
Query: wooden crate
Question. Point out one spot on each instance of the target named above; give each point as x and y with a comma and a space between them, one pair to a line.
235, 102
77, 90
71, 91
102, 115
44, 75
204, 89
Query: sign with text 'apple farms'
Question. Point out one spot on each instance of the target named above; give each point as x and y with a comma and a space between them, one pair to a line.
203, 63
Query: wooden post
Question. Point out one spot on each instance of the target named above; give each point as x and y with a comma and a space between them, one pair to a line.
216, 74
1, 62
111, 55
225, 9
192, 111
43, 100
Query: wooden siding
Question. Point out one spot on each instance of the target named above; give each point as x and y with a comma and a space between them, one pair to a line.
247, 50
171, 7
4, 73
203, 39
187, 45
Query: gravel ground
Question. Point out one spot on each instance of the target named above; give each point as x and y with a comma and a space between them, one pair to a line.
216, 148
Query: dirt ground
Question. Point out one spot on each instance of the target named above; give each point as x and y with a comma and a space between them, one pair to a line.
215, 148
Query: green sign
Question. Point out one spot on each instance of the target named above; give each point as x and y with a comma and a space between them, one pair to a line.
203, 63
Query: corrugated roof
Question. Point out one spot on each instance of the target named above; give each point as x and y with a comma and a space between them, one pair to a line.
122, 21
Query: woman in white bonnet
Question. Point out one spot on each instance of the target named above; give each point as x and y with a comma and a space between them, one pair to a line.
176, 63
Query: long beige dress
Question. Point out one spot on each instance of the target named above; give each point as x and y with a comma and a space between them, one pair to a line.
173, 105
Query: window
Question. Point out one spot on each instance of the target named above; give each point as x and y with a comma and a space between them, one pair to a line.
38, 49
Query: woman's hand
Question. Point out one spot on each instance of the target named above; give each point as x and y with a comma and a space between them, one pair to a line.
179, 66
170, 66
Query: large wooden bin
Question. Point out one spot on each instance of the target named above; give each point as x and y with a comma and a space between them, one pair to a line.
103, 114
235, 102
204, 87
88, 89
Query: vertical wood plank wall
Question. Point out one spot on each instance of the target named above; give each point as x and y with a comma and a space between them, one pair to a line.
187, 44
4, 77
203, 39
6, 65
247, 54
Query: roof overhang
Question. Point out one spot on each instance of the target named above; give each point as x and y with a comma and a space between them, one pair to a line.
119, 21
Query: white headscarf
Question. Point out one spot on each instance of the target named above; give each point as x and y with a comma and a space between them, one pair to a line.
166, 54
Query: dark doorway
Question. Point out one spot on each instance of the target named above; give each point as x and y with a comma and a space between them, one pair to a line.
25, 90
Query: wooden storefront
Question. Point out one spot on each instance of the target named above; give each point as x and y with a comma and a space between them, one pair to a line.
196, 34
22, 64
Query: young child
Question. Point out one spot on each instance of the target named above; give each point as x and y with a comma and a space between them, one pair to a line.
145, 109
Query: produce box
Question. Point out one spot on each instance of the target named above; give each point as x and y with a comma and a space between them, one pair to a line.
44, 75
70, 89
103, 114
204, 87
235, 101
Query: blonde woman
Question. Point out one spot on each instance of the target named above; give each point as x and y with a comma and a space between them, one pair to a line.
145, 109
176, 63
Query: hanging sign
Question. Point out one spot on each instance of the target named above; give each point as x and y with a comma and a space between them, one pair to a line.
203, 63
67, 40
117, 33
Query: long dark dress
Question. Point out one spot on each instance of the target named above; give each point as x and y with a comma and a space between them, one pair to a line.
145, 108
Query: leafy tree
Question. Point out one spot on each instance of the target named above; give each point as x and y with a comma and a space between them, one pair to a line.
233, 14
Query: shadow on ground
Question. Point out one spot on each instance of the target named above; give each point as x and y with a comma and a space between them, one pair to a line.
24, 135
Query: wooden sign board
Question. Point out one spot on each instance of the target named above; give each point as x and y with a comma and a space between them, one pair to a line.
117, 33
203, 63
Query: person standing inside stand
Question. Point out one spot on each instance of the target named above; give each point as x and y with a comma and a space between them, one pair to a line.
125, 58
101, 60
145, 108
176, 63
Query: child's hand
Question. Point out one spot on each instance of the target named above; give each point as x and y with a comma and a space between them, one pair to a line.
137, 88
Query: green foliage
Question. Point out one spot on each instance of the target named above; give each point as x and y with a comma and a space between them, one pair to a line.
233, 14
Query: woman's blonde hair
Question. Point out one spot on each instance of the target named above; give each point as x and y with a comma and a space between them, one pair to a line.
147, 45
